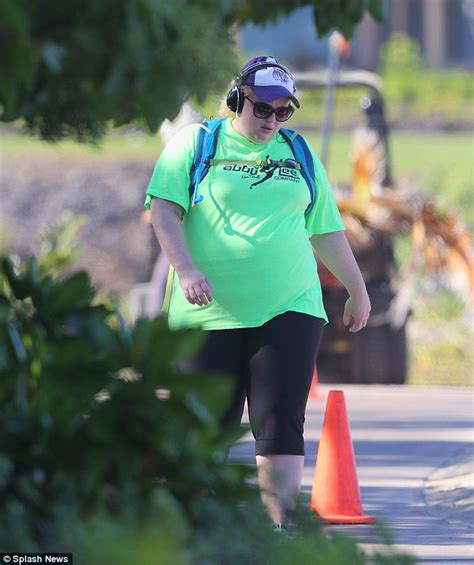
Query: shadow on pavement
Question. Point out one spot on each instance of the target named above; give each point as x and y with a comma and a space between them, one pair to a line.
393, 476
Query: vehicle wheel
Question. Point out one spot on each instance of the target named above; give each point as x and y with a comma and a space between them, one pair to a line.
379, 355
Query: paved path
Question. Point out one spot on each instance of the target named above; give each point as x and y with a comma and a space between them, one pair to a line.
402, 436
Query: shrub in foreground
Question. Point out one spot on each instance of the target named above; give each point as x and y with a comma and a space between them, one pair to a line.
108, 450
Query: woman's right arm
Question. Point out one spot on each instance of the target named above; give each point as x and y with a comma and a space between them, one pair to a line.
166, 219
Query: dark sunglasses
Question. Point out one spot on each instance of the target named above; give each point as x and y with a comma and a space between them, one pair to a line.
263, 110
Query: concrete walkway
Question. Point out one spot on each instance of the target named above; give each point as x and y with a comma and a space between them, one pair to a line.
449, 491
413, 448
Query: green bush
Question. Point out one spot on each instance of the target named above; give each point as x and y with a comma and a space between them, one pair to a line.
108, 450
416, 94
61, 441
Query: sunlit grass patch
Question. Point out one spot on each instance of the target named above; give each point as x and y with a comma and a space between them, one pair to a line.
441, 341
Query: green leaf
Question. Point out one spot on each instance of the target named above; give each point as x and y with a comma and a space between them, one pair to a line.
73, 293
31, 273
155, 348
212, 391
5, 308
74, 357
8, 271
376, 9
17, 344
18, 58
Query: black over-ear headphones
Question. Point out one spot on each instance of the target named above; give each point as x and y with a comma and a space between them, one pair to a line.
235, 96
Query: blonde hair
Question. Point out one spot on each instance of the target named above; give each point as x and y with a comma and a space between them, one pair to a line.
224, 110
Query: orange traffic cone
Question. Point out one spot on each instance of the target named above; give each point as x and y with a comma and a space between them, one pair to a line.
336, 495
314, 393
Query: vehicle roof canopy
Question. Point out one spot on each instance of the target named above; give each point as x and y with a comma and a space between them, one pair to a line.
344, 79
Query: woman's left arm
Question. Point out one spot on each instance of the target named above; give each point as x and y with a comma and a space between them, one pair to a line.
334, 251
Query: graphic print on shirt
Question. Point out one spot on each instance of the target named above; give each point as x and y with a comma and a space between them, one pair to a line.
288, 170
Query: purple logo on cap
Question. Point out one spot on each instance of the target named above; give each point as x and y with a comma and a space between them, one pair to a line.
279, 74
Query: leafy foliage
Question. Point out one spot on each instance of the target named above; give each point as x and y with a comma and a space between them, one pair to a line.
417, 94
58, 243
328, 14
107, 449
230, 536
82, 426
70, 69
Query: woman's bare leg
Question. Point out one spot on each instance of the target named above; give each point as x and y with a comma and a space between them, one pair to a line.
279, 479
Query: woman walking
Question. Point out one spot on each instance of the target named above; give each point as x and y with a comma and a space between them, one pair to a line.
239, 231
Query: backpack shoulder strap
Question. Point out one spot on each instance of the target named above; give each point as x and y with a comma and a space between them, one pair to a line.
206, 146
303, 156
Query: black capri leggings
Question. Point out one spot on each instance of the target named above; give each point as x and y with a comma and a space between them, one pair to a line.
273, 367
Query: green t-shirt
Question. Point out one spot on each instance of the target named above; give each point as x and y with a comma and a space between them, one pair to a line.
252, 243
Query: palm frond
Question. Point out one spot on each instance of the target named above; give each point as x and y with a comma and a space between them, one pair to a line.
440, 241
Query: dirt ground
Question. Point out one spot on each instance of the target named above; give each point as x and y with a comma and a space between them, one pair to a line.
115, 246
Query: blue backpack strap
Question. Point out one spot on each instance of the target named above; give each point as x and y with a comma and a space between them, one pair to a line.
206, 146
303, 156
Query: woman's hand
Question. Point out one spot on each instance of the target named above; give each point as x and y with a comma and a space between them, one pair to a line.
166, 219
196, 287
356, 312
335, 252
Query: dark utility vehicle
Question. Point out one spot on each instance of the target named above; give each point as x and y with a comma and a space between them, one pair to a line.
377, 354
